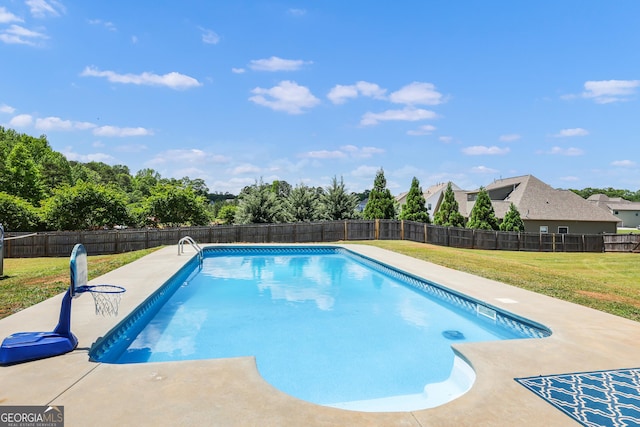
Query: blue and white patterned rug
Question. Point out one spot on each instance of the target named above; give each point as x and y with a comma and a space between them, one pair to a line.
602, 398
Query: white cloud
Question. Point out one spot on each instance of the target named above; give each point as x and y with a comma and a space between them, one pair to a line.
188, 156
297, 12
417, 93
238, 70
209, 36
21, 121
4, 108
624, 163
363, 152
571, 151
345, 151
446, 139
325, 154
17, 34
106, 24
246, 168
114, 131
339, 94
287, 96
407, 114
478, 150
370, 151
44, 8
58, 124
564, 133
172, 80
570, 178
85, 158
483, 170
422, 130
365, 171
129, 148
509, 137
277, 64
6, 16
608, 91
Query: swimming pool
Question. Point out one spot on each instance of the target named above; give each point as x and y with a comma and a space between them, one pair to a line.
325, 325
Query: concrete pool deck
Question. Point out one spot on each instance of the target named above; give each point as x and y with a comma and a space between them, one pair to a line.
230, 392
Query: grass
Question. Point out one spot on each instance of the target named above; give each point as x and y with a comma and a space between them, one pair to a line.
27, 281
608, 282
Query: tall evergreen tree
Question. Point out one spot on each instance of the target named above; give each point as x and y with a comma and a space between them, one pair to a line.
448, 213
414, 209
258, 205
336, 203
512, 220
381, 204
482, 216
302, 204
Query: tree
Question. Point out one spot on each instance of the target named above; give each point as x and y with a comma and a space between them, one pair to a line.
17, 214
512, 220
381, 204
55, 171
21, 175
281, 188
336, 204
258, 205
227, 213
448, 213
415, 208
174, 206
85, 206
482, 216
302, 204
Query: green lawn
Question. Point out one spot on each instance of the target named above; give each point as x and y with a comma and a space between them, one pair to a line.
605, 281
27, 281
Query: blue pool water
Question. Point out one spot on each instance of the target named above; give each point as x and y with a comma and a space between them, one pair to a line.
325, 325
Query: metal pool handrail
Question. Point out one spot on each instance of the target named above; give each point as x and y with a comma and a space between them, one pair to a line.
193, 244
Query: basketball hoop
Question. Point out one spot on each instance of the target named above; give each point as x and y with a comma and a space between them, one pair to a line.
106, 298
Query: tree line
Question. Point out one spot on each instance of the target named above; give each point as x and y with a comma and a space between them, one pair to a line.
40, 190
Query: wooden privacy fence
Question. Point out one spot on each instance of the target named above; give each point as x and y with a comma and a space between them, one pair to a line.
58, 244
622, 242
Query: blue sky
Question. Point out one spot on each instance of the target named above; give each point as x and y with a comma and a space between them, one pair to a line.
237, 91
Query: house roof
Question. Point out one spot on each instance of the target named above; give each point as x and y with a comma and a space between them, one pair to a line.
536, 200
431, 191
614, 203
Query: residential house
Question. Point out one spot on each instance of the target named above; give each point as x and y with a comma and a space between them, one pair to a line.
543, 209
432, 196
627, 212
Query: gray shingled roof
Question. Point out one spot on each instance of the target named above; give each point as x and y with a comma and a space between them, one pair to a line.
536, 200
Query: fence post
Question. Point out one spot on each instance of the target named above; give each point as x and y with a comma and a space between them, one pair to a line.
346, 234
425, 233
402, 229
1, 251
